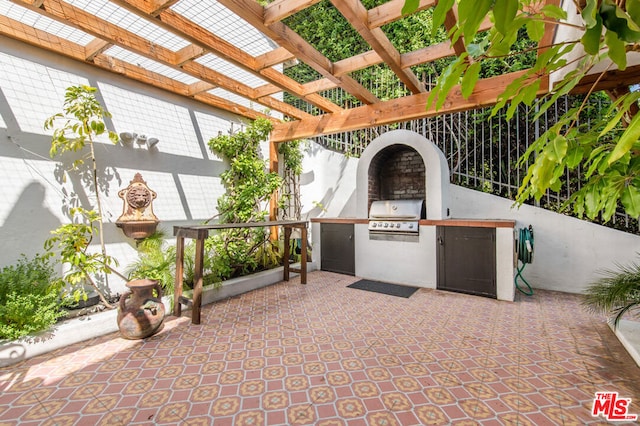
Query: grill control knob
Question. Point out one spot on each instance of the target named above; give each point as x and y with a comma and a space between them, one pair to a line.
411, 226
386, 225
374, 224
397, 225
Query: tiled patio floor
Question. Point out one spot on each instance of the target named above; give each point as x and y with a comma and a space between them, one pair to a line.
324, 354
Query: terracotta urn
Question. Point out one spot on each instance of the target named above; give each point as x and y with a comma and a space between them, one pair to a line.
140, 313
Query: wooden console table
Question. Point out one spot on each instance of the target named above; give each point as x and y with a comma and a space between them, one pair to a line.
201, 232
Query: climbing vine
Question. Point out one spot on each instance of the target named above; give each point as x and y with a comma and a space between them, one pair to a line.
289, 203
249, 187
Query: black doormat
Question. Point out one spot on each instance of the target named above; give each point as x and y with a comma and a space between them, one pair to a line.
384, 288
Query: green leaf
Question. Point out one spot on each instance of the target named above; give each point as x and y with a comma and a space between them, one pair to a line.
535, 29
617, 51
449, 78
630, 199
591, 38
469, 79
633, 9
595, 159
592, 201
574, 157
555, 12
616, 20
410, 6
609, 203
626, 141
478, 49
557, 149
471, 13
529, 93
590, 12
503, 13
439, 14
526, 95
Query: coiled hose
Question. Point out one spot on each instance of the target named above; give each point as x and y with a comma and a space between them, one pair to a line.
524, 249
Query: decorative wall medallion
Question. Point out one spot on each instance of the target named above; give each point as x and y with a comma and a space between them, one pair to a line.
137, 220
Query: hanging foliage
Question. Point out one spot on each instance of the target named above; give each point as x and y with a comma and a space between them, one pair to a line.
609, 149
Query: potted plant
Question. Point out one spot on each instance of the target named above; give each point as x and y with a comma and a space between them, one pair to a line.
616, 293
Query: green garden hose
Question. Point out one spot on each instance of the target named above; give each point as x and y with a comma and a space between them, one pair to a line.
524, 249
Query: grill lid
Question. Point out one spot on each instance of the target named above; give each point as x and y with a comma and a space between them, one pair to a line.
397, 210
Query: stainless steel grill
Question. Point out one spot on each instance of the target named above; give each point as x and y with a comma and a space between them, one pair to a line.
396, 216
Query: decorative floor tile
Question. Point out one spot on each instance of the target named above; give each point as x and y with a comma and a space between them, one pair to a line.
324, 354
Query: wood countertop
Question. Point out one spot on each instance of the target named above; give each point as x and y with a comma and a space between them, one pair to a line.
475, 223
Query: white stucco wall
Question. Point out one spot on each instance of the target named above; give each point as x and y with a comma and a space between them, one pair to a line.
327, 183
181, 169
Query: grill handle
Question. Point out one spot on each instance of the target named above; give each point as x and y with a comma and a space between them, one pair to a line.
399, 217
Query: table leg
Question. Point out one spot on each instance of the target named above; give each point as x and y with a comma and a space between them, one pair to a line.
286, 254
198, 281
177, 290
303, 254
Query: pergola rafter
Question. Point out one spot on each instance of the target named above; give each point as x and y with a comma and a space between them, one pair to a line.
200, 43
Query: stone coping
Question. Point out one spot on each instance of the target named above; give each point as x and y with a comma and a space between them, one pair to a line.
87, 327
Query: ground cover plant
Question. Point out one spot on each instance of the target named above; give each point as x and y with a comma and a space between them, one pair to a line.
29, 298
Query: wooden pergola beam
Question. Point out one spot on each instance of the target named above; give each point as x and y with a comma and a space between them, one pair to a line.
357, 16
411, 107
158, 6
95, 47
612, 80
275, 57
392, 11
113, 34
450, 23
281, 9
253, 13
203, 38
33, 36
42, 39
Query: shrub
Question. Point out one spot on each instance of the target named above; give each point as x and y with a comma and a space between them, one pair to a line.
29, 302
616, 292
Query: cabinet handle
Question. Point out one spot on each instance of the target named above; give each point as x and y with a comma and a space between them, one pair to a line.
440, 241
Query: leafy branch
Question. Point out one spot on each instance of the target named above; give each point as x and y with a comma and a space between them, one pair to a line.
71, 242
609, 148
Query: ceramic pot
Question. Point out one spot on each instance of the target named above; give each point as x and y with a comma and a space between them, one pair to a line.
140, 313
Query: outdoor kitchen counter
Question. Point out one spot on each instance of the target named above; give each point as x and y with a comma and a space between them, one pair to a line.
415, 260
478, 223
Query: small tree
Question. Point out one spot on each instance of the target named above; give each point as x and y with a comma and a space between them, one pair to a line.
76, 127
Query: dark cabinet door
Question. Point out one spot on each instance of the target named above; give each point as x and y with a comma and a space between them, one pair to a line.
467, 260
337, 248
